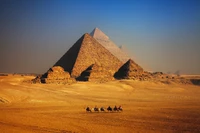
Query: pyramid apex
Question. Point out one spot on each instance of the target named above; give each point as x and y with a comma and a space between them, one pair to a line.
96, 28
86, 35
130, 61
97, 33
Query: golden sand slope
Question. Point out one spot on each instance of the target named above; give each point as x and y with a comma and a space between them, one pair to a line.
148, 107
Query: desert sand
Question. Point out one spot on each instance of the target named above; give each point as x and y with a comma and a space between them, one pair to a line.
53, 108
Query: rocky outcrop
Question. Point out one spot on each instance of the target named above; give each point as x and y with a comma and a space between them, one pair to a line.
161, 75
37, 79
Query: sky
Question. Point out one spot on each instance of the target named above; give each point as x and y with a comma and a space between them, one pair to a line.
160, 35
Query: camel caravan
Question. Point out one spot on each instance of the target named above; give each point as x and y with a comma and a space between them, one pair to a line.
102, 109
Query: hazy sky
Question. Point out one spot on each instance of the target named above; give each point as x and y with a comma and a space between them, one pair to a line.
161, 35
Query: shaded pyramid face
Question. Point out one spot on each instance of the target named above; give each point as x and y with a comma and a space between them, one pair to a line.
129, 70
109, 45
85, 52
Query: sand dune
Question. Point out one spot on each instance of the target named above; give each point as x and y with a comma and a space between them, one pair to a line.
148, 107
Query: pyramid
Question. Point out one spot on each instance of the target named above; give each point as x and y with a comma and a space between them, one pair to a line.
104, 40
56, 74
130, 70
96, 72
85, 52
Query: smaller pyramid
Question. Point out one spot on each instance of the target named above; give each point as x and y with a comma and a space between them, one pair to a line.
130, 70
56, 74
97, 73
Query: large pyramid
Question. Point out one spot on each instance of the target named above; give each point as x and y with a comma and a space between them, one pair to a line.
104, 40
86, 52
